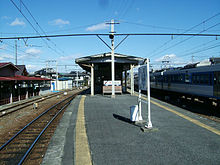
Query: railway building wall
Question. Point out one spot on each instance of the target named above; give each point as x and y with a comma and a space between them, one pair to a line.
15, 85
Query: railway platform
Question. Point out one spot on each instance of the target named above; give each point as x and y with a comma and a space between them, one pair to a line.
97, 130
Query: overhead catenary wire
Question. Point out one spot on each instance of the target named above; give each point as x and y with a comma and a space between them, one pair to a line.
201, 50
191, 28
39, 25
198, 46
150, 26
126, 9
45, 41
22, 55
197, 34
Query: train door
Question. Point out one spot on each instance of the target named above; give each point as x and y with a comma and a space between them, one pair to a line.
216, 84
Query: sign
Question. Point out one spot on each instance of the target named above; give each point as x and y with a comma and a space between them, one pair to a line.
144, 84
142, 77
109, 83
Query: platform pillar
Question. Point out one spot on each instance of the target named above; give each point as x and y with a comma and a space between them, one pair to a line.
11, 93
19, 92
11, 98
92, 80
132, 79
27, 94
125, 80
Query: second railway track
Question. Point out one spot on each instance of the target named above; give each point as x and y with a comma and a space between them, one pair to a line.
17, 106
16, 149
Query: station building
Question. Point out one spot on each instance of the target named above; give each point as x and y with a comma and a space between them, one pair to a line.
99, 66
15, 85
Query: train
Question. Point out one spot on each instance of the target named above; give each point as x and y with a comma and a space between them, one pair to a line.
199, 80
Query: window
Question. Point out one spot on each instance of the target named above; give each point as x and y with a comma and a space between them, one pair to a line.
187, 78
203, 79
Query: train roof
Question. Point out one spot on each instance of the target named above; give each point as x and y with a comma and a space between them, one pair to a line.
212, 65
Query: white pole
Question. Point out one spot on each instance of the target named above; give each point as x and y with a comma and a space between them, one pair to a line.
27, 93
148, 96
125, 80
77, 79
11, 98
113, 60
16, 53
56, 76
132, 79
139, 105
92, 80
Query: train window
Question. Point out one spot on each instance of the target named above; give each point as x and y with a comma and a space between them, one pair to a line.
187, 78
181, 78
204, 79
197, 79
165, 79
194, 79
152, 78
207, 79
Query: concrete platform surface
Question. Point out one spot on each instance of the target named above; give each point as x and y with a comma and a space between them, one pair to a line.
114, 140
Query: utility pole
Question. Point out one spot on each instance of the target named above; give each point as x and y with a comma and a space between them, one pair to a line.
111, 36
46, 68
56, 70
192, 59
16, 54
77, 79
56, 76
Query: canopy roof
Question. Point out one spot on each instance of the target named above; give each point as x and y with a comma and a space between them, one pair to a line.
23, 78
106, 58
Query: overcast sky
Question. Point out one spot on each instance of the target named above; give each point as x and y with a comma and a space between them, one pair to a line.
90, 16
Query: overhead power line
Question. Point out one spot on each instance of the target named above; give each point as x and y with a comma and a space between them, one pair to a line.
107, 34
191, 36
39, 25
45, 41
191, 28
198, 46
201, 50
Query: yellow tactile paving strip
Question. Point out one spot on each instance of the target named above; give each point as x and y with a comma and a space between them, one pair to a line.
216, 131
82, 152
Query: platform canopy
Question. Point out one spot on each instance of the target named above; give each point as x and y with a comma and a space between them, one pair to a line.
100, 66
124, 60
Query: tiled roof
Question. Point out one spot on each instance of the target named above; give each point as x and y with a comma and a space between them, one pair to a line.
23, 78
4, 64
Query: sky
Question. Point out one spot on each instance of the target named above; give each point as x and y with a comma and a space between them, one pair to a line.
55, 17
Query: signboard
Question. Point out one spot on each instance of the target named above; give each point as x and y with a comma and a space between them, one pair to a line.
142, 77
109, 83
144, 84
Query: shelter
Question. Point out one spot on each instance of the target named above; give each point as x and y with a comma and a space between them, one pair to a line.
99, 66
15, 85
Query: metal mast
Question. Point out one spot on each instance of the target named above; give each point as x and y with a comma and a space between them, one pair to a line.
111, 36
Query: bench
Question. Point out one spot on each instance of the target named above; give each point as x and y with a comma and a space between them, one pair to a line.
108, 89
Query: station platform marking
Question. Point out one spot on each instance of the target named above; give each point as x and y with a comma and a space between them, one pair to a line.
216, 131
82, 151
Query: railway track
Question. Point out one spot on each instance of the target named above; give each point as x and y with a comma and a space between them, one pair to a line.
15, 107
22, 146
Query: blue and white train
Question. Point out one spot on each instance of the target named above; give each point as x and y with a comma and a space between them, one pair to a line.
196, 81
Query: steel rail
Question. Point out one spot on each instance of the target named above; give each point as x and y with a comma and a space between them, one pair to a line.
40, 134
26, 126
26, 104
28, 100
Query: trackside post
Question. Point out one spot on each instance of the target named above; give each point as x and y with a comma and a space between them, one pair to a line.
144, 84
149, 125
